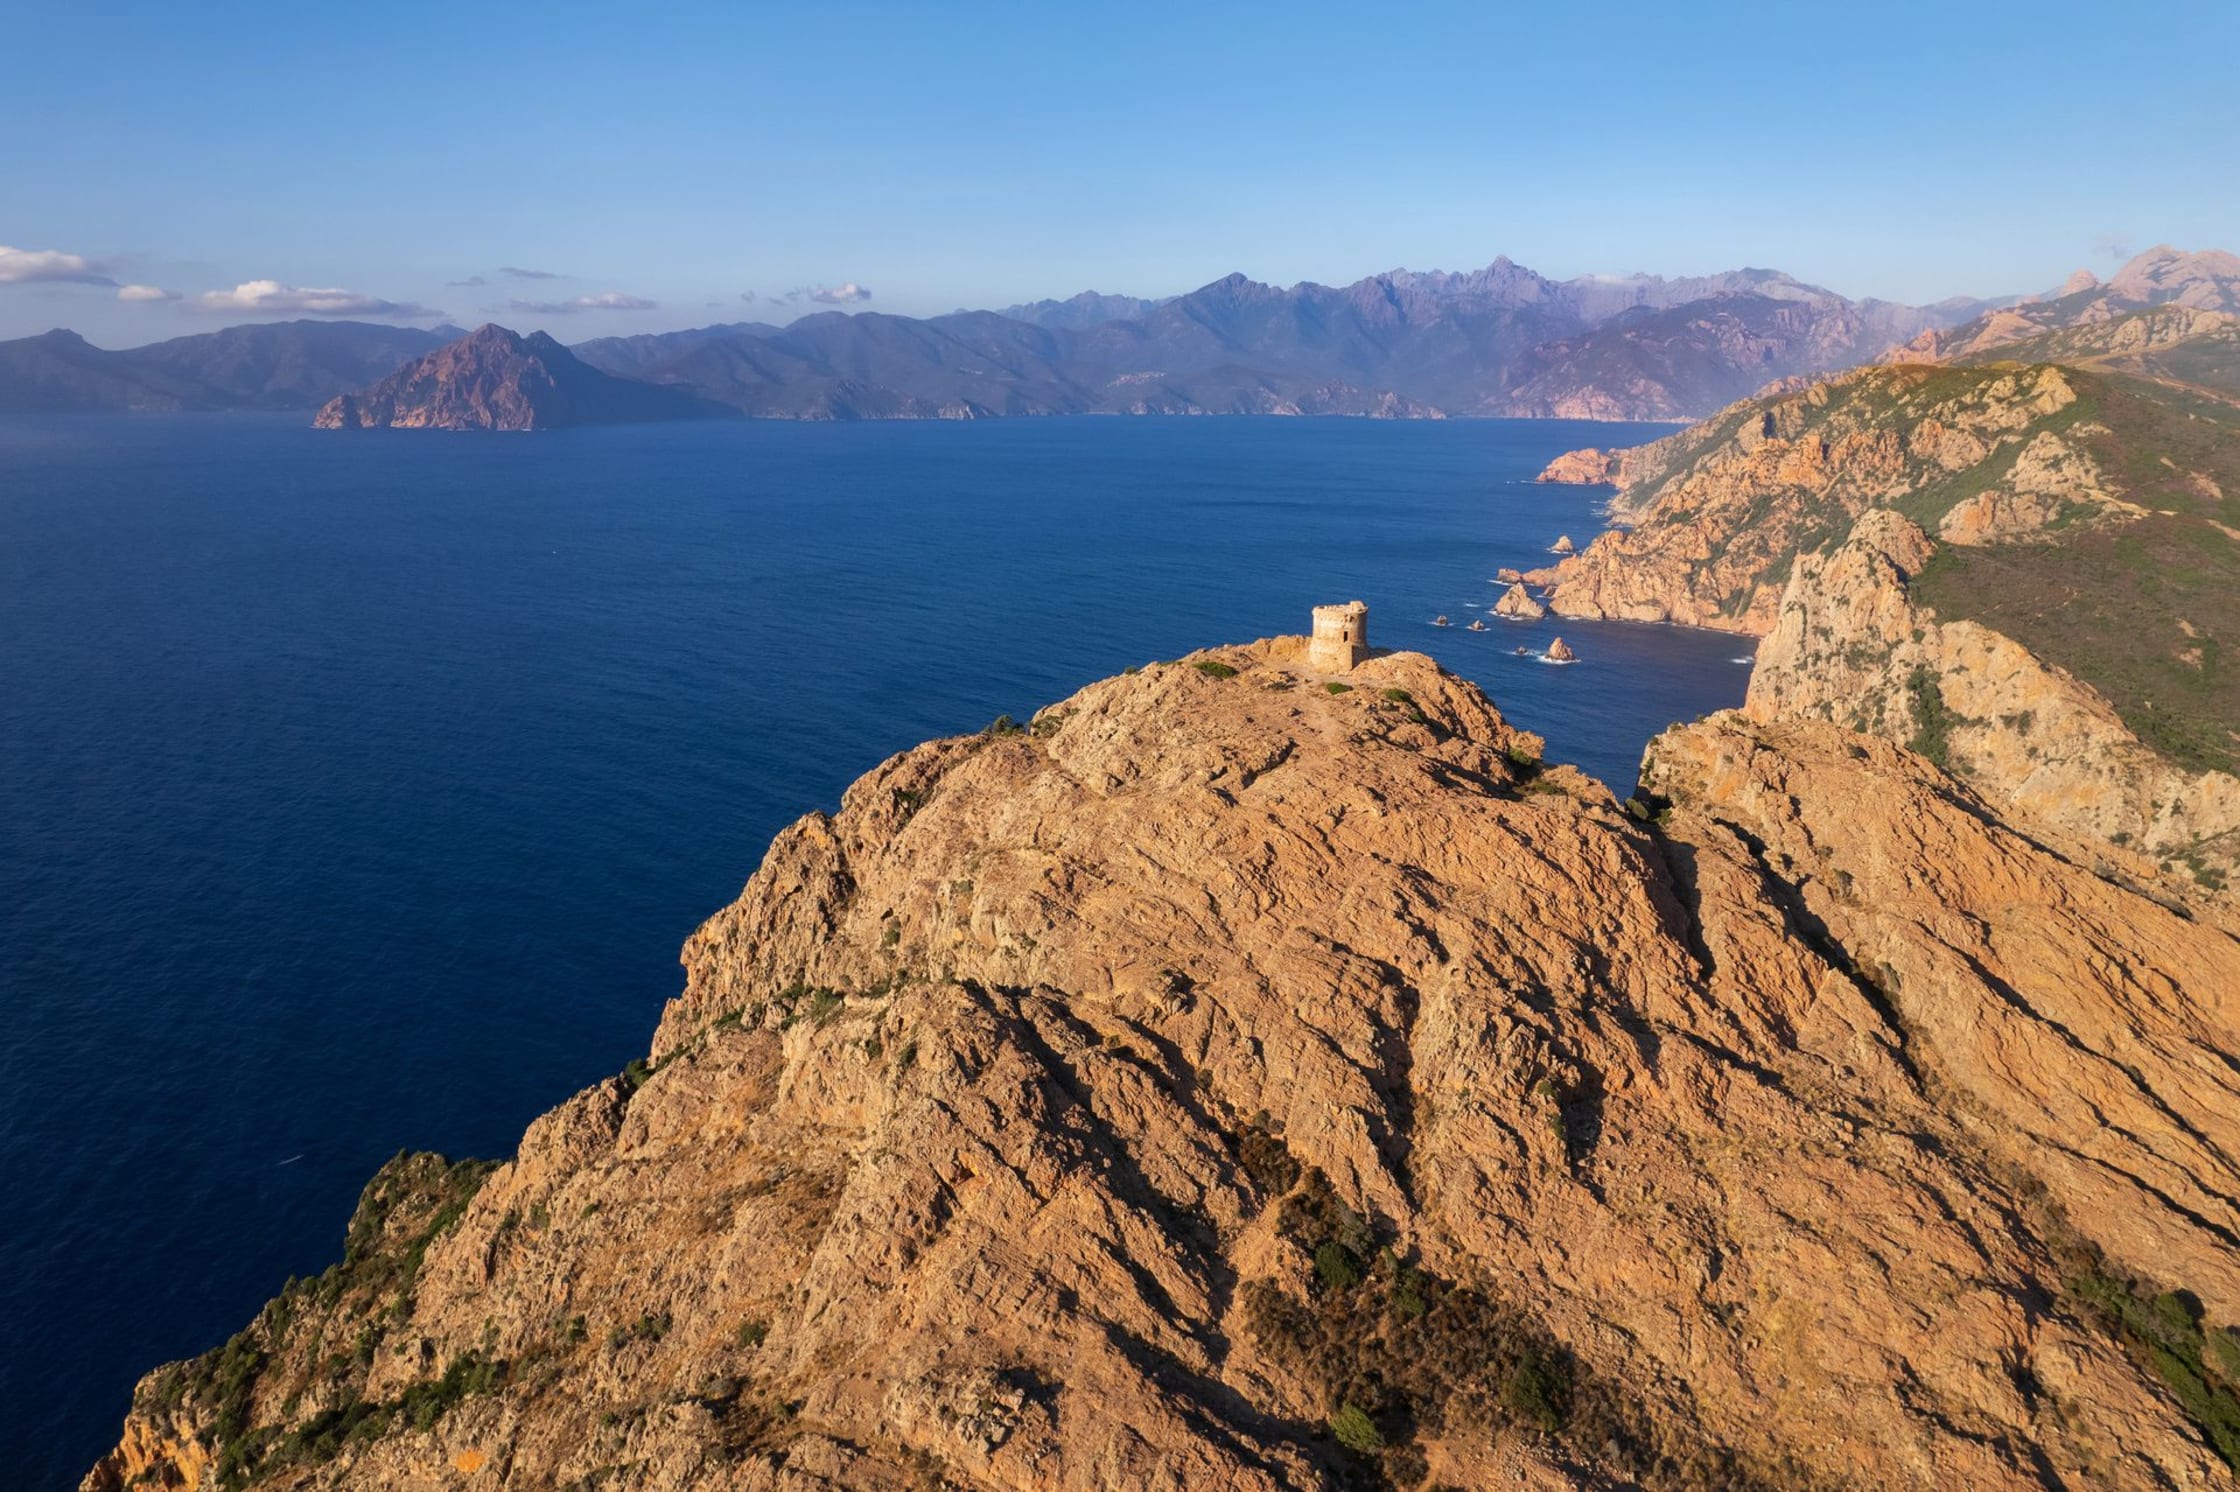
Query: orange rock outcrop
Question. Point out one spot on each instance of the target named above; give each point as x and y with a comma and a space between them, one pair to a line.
1232, 1081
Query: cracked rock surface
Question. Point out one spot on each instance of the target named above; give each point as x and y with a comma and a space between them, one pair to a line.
1250, 1079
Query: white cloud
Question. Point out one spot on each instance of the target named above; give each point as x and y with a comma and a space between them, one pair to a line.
271, 298
840, 295
23, 266
611, 300
145, 293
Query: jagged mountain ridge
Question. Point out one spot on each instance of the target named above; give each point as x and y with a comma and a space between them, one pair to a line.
1592, 299
1398, 344
2206, 280
1076, 312
1498, 341
1501, 341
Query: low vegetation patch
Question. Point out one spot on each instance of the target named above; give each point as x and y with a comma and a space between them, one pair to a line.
1931, 725
2163, 1332
2146, 611
1406, 701
1213, 668
1396, 1353
331, 1329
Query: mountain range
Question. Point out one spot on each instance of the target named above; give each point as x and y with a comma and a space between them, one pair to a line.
1497, 341
2205, 281
280, 365
1502, 341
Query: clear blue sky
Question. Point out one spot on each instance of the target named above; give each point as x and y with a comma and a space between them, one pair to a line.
973, 155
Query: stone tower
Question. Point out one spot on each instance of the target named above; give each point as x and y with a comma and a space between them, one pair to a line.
1341, 637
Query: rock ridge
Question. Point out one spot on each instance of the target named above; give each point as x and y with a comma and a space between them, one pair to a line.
1246, 1076
2025, 569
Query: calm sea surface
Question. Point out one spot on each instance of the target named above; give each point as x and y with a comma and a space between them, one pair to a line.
357, 791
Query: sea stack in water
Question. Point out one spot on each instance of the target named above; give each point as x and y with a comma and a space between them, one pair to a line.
1562, 545
1517, 602
1558, 653
1341, 637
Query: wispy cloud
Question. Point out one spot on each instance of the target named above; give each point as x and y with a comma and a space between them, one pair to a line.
145, 293
2115, 247
840, 295
514, 272
611, 300
471, 282
271, 298
29, 266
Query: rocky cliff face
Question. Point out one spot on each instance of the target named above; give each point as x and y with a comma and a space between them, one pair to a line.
2025, 569
2207, 281
493, 379
1719, 511
1851, 645
1587, 467
1249, 1078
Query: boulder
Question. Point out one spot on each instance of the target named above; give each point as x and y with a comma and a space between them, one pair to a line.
1517, 602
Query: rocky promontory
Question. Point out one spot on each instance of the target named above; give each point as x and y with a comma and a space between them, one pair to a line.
2023, 566
494, 379
1248, 1076
1718, 512
1586, 467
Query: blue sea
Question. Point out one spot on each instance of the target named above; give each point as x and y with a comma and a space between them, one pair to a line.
356, 791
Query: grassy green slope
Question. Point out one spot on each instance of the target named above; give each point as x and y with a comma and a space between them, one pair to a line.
2145, 609
2147, 612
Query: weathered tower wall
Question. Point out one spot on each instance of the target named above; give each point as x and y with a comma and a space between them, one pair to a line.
1341, 637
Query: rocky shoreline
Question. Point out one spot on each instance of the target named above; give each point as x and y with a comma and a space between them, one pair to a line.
1792, 520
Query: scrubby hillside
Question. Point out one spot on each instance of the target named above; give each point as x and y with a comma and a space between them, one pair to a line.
2073, 569
2205, 280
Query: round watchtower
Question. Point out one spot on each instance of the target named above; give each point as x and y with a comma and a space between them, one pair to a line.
1341, 637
